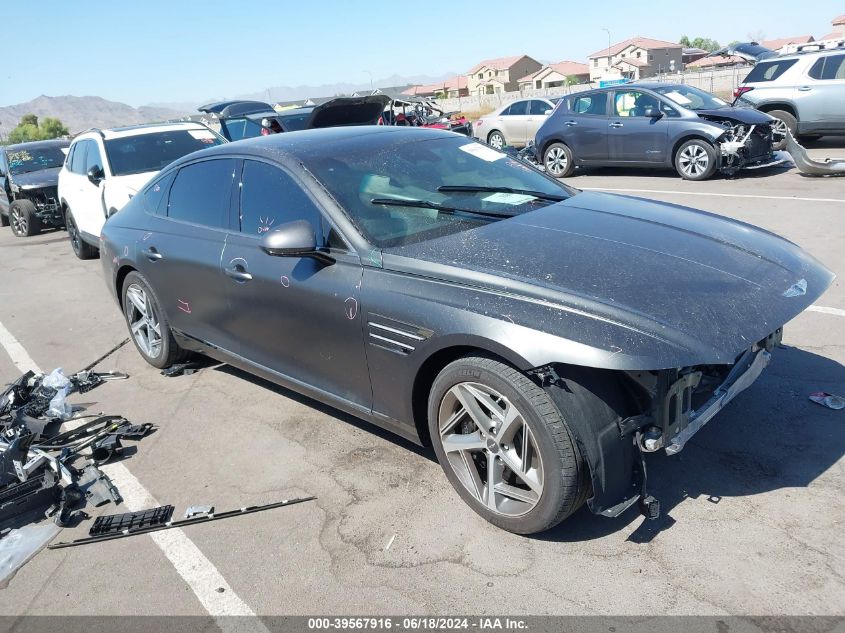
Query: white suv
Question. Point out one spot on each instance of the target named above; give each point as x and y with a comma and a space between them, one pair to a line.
105, 168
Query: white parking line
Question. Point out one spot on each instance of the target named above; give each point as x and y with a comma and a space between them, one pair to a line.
718, 195
825, 310
190, 563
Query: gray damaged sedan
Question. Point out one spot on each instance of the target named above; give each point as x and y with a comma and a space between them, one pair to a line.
541, 339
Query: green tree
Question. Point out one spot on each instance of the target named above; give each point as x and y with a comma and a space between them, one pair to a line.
704, 43
685, 41
30, 129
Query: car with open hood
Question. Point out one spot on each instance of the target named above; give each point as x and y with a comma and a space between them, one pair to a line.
29, 176
654, 125
804, 91
248, 119
542, 339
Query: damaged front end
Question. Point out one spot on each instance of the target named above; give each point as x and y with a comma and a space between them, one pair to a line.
745, 146
46, 201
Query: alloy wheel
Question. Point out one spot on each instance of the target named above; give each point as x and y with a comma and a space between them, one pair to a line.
18, 221
779, 130
694, 160
556, 161
497, 141
143, 321
491, 449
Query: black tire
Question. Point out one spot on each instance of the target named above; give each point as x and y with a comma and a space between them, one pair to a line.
4, 220
496, 139
81, 248
558, 160
169, 352
565, 481
22, 215
696, 160
788, 119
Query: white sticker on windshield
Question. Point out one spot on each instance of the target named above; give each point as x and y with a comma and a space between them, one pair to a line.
201, 135
678, 98
482, 151
508, 198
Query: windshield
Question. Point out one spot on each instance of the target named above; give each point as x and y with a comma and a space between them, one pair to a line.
23, 161
154, 151
692, 98
449, 184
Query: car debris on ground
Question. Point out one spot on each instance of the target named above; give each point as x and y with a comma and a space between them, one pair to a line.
810, 166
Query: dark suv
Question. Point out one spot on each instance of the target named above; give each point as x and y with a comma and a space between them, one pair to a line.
654, 125
29, 175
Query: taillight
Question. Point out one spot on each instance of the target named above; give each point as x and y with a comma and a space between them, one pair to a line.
741, 90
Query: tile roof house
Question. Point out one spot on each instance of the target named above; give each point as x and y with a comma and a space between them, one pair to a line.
642, 57
493, 76
451, 88
780, 44
555, 75
838, 31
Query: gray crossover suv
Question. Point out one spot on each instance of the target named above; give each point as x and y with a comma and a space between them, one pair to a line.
805, 91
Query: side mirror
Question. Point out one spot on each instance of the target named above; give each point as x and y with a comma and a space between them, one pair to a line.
293, 239
548, 112
96, 175
652, 112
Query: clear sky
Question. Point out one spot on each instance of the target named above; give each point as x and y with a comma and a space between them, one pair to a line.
144, 51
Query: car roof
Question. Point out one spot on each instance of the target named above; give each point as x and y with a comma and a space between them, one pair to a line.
142, 128
276, 146
38, 144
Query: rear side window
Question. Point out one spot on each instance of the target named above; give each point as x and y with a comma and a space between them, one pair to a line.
518, 108
77, 165
200, 193
590, 104
155, 195
270, 198
769, 70
834, 67
816, 71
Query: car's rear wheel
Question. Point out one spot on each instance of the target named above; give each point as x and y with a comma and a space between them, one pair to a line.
783, 121
4, 220
696, 160
558, 160
147, 323
23, 218
496, 139
81, 248
504, 445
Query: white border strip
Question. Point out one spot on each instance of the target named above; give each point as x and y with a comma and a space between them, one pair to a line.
190, 563
718, 195
825, 310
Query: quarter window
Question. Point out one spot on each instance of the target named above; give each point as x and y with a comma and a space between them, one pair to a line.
201, 191
270, 198
155, 195
834, 67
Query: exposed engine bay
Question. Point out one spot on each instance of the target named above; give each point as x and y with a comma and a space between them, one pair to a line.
46, 201
744, 146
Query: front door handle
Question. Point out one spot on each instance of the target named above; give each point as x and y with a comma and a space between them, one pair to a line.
152, 254
571, 123
238, 273
804, 88
617, 124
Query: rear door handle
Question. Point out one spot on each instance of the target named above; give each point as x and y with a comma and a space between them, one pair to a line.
617, 124
152, 254
238, 273
571, 123
804, 88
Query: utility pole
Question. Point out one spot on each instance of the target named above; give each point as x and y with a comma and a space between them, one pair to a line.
609, 56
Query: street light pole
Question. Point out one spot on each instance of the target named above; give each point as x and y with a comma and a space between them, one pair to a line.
609, 56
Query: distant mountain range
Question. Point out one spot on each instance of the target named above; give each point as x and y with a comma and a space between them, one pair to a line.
81, 113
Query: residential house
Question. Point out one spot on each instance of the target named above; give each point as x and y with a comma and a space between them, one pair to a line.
554, 75
494, 76
690, 55
450, 88
787, 44
838, 32
636, 58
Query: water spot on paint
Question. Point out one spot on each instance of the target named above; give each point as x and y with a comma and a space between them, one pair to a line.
285, 281
184, 306
126, 251
351, 307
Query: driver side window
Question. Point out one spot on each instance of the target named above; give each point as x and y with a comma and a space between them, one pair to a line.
633, 103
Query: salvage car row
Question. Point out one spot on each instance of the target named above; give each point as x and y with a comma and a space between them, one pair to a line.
445, 291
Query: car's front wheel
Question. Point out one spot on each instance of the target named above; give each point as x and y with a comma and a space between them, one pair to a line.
696, 160
81, 248
147, 323
558, 160
504, 445
23, 218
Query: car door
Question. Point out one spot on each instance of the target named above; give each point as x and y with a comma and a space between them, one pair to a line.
297, 316
91, 216
821, 100
537, 115
4, 184
632, 136
513, 123
180, 254
584, 126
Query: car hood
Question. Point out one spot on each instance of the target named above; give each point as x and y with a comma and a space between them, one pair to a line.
348, 111
749, 51
749, 116
131, 182
697, 287
36, 179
